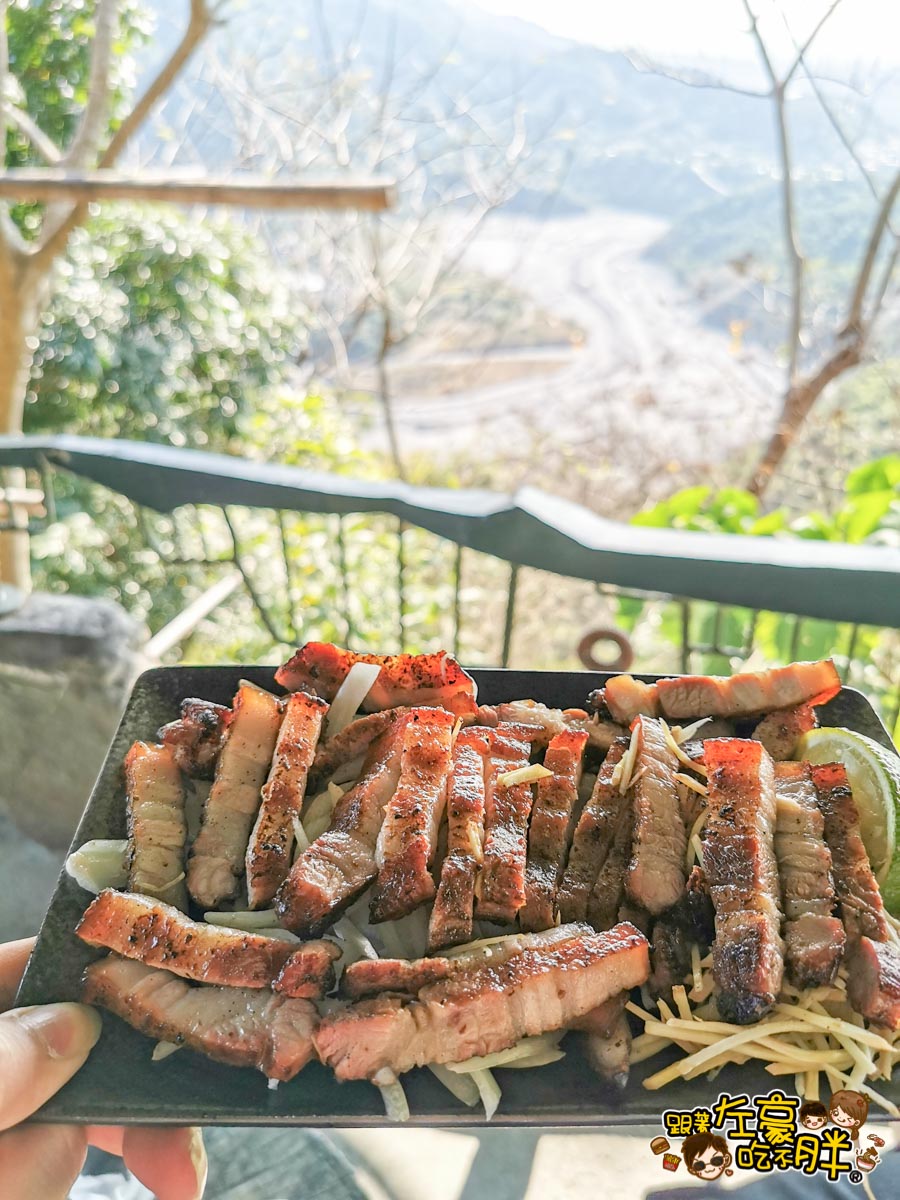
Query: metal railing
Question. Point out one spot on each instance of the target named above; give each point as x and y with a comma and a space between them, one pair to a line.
668, 599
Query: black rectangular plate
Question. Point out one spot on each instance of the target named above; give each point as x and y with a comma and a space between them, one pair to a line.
120, 1085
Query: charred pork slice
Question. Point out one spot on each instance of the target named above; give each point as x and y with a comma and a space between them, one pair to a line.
862, 907
548, 722
216, 861
407, 679
452, 915
552, 822
507, 810
156, 826
873, 981
410, 976
609, 1053
161, 936
240, 1026
485, 1009
196, 737
593, 837
340, 864
814, 938
780, 731
272, 840
688, 697
406, 844
351, 743
608, 895
739, 862
657, 872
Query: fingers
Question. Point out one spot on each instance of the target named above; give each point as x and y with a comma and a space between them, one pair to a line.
41, 1049
41, 1162
170, 1162
13, 957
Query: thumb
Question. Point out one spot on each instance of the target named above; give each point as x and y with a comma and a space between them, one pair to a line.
41, 1049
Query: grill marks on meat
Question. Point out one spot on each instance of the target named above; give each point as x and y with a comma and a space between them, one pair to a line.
862, 907
333, 871
271, 841
196, 737
594, 835
452, 916
410, 976
408, 837
216, 861
552, 822
814, 938
739, 862
689, 697
548, 722
873, 962
156, 826
405, 679
486, 1008
351, 742
507, 810
780, 731
239, 1026
656, 873
161, 936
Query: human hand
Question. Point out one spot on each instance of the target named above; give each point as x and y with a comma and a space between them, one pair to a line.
41, 1048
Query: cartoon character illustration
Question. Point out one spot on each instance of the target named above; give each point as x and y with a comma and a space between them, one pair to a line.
849, 1110
705, 1155
813, 1115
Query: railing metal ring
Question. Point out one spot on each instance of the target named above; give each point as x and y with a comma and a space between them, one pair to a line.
586, 650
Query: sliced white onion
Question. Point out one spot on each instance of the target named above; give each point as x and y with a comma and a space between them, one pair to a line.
488, 1090
528, 1047
317, 817
543, 1059
480, 944
246, 922
529, 774
461, 1086
350, 695
356, 945
98, 864
300, 838
162, 1050
278, 934
393, 1095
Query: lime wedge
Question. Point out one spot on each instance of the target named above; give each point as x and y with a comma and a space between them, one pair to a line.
874, 775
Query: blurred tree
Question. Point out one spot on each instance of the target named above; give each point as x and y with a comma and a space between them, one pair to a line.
64, 83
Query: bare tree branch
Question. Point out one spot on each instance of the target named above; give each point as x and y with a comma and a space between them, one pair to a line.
855, 323
692, 78
82, 150
802, 49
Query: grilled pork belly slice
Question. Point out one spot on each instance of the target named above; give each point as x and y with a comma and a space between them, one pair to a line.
272, 839
507, 811
691, 921
161, 936
407, 679
196, 737
216, 861
452, 915
873, 981
486, 1008
351, 742
688, 697
814, 938
407, 841
780, 731
552, 823
607, 897
340, 864
862, 907
156, 826
409, 976
240, 1026
739, 863
593, 837
602, 1020
549, 722
609, 1053
657, 870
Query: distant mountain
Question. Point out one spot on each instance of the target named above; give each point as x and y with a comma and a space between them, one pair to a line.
617, 136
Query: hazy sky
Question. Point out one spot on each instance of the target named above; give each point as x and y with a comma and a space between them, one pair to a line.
860, 31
